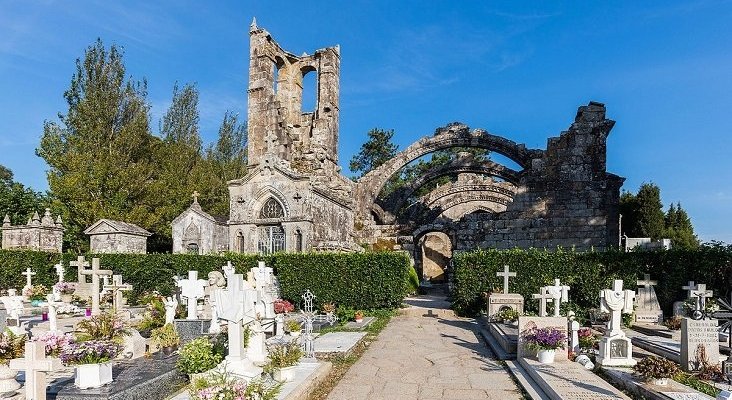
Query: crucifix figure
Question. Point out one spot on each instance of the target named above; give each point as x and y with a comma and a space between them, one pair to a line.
689, 288
616, 301
95, 273
36, 365
60, 271
117, 287
559, 293
195, 196
701, 293
543, 296
28, 284
192, 289
505, 274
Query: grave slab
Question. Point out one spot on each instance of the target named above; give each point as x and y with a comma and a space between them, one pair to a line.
505, 336
189, 329
569, 381
635, 385
337, 342
695, 334
360, 325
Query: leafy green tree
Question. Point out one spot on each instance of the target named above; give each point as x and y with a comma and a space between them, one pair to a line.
100, 153
17, 201
374, 152
679, 228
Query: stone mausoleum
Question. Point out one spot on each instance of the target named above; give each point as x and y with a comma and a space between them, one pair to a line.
110, 236
294, 197
40, 234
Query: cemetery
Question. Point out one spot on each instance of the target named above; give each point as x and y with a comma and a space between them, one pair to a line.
504, 282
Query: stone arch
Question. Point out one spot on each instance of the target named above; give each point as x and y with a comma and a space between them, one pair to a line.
261, 197
454, 135
192, 238
433, 251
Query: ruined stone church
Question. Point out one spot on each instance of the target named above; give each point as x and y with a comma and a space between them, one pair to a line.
294, 197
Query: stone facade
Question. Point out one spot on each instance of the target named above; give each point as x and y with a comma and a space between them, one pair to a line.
109, 236
198, 232
40, 234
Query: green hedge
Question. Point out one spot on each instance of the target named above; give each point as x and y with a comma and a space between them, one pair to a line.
587, 273
355, 280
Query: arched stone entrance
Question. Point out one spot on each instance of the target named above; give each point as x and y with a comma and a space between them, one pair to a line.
436, 251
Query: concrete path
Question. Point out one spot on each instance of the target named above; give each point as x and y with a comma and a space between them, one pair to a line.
424, 357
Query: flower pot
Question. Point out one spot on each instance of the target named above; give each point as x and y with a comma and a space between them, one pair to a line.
168, 350
546, 356
285, 374
359, 320
8, 384
93, 375
294, 333
67, 298
36, 303
659, 381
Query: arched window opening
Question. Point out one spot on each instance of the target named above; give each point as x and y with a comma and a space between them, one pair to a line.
240, 242
309, 91
271, 209
298, 241
192, 248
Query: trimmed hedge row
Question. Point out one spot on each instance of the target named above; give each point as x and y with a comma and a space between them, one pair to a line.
355, 280
587, 273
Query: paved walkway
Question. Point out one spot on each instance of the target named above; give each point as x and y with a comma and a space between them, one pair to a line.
425, 358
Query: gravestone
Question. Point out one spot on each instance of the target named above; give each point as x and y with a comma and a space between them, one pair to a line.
14, 308
615, 348
573, 336
532, 322
647, 308
83, 288
95, 273
117, 287
559, 293
695, 336
501, 301
36, 365
28, 281
60, 270
216, 281
542, 296
192, 289
3, 317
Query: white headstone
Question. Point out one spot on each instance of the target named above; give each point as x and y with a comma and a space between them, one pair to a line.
60, 270
542, 296
615, 347
95, 273
192, 289
697, 338
28, 281
229, 270
505, 274
36, 365
559, 293
647, 307
117, 287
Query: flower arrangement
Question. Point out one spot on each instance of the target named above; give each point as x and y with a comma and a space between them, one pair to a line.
36, 292
65, 287
358, 315
507, 315
221, 386
11, 346
293, 326
56, 342
329, 308
166, 336
550, 338
90, 352
68, 309
105, 326
656, 368
283, 306
198, 356
587, 339
283, 355
673, 323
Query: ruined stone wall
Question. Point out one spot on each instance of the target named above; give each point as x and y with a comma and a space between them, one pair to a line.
566, 198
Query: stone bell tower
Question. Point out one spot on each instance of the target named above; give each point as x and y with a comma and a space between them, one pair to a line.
277, 125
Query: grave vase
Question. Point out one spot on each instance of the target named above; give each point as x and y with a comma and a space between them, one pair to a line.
8, 384
93, 375
546, 356
285, 374
660, 381
36, 303
67, 298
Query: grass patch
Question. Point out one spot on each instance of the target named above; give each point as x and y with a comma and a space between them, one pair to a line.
696, 384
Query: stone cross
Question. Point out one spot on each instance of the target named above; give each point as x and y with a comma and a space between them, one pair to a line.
616, 301
195, 196
83, 288
647, 282
14, 306
36, 365
192, 289
117, 287
263, 275
505, 274
689, 287
236, 302
60, 271
28, 274
95, 273
701, 293
543, 296
52, 314
559, 293
307, 310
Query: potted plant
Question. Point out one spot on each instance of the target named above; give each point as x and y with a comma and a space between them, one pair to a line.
673, 323
166, 337
93, 361
329, 308
587, 339
282, 306
105, 326
657, 370
66, 290
56, 342
283, 357
507, 315
11, 346
197, 356
36, 294
293, 327
358, 316
545, 341
222, 385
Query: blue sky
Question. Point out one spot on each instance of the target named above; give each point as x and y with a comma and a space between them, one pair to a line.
664, 70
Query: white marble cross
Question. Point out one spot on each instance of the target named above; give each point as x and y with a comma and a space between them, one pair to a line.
543, 296
14, 306
60, 271
701, 294
36, 365
235, 303
505, 274
229, 270
616, 301
95, 273
689, 288
263, 275
28, 283
192, 289
559, 293
647, 282
117, 287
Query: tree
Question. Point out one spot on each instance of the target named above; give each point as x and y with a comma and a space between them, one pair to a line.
651, 217
377, 150
100, 155
16, 200
679, 228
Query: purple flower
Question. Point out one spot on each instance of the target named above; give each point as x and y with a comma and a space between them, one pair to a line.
90, 352
550, 338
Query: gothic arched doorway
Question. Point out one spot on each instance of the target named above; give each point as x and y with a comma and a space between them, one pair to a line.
271, 236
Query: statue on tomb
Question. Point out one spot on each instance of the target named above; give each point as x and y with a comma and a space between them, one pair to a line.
171, 305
